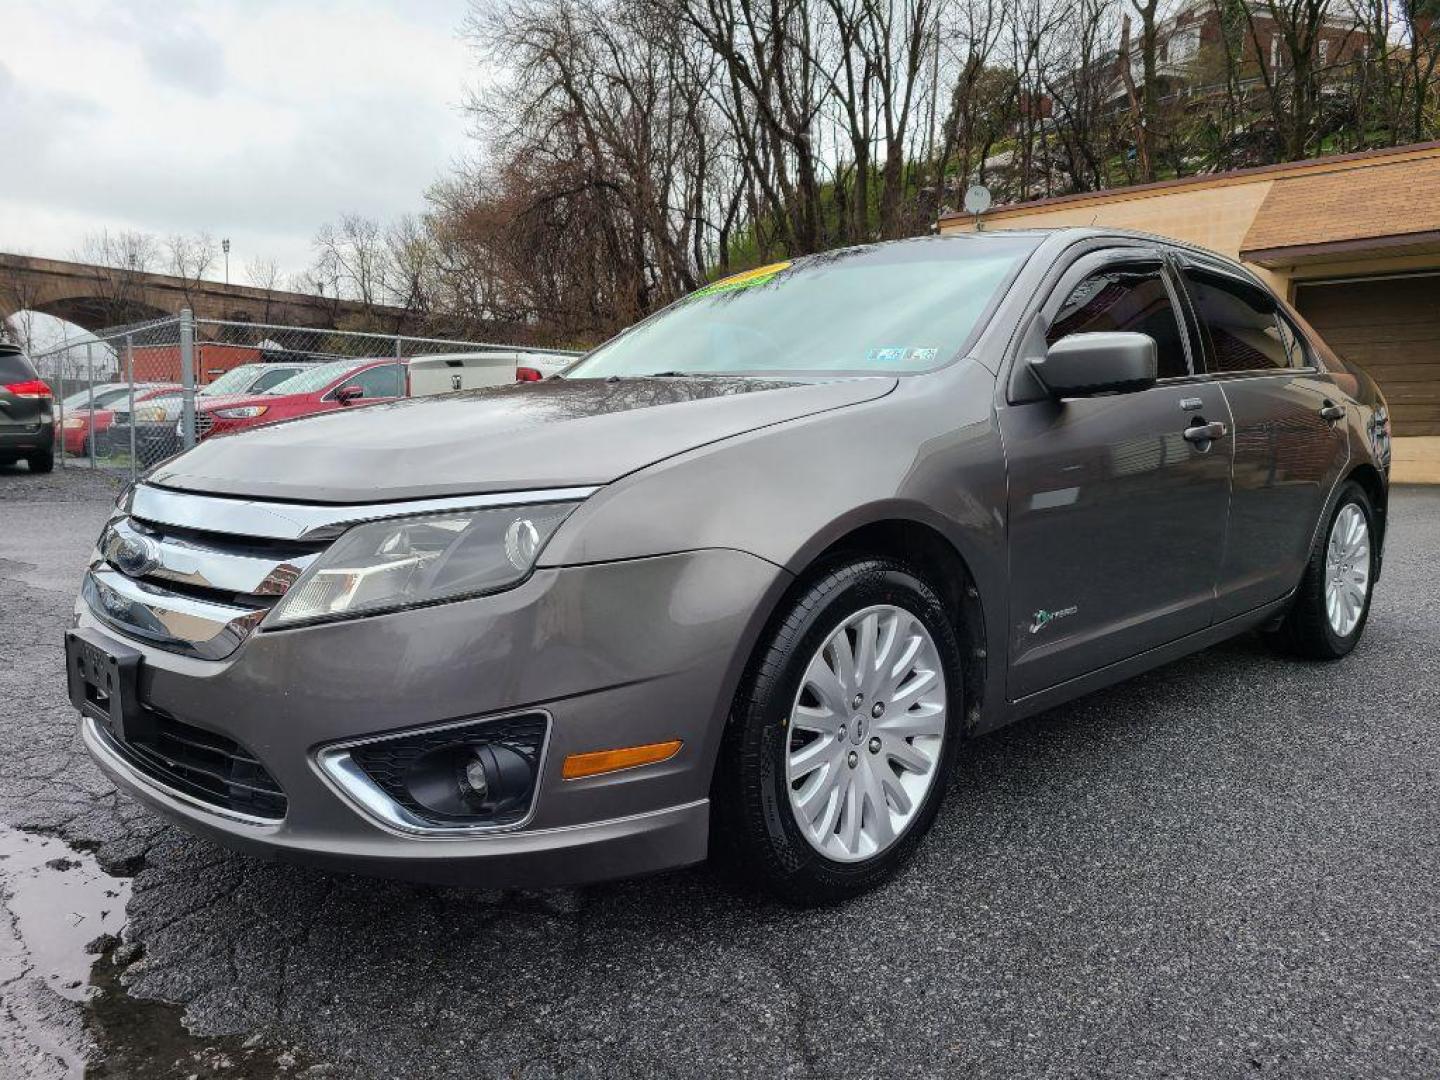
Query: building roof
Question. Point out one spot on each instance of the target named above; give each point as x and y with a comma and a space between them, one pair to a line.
1368, 159
1373, 204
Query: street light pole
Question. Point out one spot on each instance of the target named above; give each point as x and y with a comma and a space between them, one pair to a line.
225, 247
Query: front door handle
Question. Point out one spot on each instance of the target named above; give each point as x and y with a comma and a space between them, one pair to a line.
1332, 412
1201, 432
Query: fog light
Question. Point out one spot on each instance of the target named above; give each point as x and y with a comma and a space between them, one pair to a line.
473, 781
465, 779
478, 776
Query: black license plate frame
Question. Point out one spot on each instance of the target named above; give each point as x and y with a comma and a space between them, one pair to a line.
103, 677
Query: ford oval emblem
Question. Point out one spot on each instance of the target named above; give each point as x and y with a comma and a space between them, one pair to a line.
135, 556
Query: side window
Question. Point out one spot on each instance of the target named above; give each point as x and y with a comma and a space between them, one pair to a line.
379, 382
1246, 333
268, 379
1130, 299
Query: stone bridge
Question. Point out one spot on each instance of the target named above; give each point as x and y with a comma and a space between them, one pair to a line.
96, 297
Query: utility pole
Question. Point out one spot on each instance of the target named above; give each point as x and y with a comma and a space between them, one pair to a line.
225, 247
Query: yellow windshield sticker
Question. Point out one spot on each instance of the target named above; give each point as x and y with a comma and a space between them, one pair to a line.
759, 276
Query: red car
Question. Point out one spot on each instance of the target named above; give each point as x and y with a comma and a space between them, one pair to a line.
336, 385
81, 425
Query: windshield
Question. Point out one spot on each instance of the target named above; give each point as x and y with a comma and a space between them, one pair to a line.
316, 378
235, 381
250, 379
894, 308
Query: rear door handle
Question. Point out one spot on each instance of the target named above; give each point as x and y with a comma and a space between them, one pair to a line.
1204, 433
1332, 412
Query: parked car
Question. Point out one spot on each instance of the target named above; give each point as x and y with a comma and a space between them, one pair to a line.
536, 365
337, 385
445, 373
155, 434
83, 424
27, 420
99, 396
753, 570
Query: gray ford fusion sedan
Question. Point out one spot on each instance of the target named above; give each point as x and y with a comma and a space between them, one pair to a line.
743, 578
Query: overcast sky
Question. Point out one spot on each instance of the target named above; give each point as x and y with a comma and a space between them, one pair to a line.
256, 120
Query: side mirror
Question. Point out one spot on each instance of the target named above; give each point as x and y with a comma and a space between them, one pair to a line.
347, 394
1083, 365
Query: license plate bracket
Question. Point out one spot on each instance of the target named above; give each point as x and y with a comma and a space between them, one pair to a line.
103, 676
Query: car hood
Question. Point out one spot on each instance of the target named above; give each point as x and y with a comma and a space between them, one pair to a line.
174, 404
557, 433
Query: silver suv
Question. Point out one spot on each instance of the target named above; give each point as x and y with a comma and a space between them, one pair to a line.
744, 579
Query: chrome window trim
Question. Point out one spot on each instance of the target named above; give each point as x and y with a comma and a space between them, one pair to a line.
103, 746
338, 769
311, 521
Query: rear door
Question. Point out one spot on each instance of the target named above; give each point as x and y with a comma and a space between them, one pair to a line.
1116, 520
1288, 455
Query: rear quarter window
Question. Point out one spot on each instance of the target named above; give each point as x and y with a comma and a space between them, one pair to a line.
15, 367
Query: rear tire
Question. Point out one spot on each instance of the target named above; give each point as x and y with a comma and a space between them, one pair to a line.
877, 769
42, 461
1332, 604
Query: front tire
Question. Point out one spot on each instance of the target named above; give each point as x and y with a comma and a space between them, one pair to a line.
1332, 604
42, 461
842, 738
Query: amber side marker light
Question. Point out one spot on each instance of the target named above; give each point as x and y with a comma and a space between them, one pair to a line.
597, 762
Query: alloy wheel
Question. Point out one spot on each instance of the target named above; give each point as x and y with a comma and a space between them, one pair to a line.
1347, 569
866, 733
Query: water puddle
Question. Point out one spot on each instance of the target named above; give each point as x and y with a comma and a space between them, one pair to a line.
56, 904
66, 1014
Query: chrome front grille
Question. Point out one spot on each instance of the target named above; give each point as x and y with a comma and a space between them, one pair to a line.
187, 588
197, 574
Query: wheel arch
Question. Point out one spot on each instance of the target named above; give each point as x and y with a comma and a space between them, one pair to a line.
1368, 477
936, 559
908, 539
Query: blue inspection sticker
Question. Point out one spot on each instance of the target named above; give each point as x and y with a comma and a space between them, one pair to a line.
902, 355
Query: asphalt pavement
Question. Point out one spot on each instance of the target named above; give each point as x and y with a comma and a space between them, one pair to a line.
1228, 867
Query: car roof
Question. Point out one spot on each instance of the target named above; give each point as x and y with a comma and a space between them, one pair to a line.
505, 350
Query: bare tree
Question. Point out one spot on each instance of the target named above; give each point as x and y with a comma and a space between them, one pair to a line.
263, 273
1288, 67
118, 262
350, 260
189, 257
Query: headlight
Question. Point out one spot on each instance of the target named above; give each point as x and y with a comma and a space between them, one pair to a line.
242, 412
384, 565
150, 414
74, 422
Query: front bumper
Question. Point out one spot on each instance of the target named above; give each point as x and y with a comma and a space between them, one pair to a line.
618, 654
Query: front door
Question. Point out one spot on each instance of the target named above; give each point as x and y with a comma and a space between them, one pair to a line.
1290, 440
1116, 519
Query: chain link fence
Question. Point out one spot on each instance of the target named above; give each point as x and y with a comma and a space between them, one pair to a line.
129, 397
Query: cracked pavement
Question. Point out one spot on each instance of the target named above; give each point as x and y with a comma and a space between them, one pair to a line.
1230, 866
